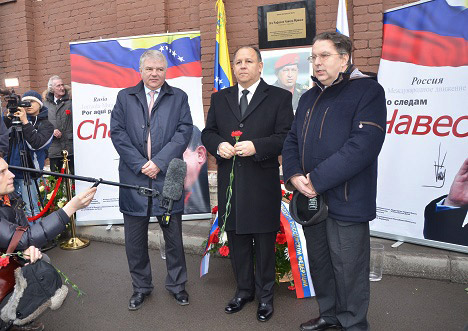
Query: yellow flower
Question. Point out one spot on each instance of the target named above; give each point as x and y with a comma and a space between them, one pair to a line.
41, 188
60, 204
49, 195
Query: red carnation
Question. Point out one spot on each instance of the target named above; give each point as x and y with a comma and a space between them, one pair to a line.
290, 196
236, 133
4, 261
283, 192
224, 250
214, 237
68, 111
291, 288
47, 188
281, 228
280, 238
282, 182
214, 210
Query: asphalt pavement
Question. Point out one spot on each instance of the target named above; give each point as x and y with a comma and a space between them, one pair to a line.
100, 270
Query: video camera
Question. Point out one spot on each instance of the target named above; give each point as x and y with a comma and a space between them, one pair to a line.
13, 101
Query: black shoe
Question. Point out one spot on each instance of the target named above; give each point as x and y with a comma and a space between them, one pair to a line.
317, 324
182, 298
136, 301
236, 304
264, 311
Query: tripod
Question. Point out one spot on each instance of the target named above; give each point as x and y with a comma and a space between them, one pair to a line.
17, 141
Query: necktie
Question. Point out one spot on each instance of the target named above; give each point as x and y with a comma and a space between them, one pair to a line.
243, 102
151, 93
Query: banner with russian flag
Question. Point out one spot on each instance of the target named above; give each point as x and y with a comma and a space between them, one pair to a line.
222, 64
297, 249
424, 71
99, 70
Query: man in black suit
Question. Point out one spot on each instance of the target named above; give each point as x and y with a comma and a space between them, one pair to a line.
263, 113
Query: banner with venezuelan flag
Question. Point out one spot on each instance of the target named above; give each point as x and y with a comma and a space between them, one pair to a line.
424, 70
222, 65
99, 70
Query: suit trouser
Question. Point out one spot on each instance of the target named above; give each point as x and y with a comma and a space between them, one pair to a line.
262, 280
339, 255
136, 247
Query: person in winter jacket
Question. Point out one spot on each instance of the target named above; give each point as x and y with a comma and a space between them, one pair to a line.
332, 151
37, 133
35, 236
58, 100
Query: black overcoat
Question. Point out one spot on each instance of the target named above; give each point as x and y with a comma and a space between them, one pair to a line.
256, 188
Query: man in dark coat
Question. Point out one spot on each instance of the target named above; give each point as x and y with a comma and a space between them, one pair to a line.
58, 100
263, 113
332, 150
151, 125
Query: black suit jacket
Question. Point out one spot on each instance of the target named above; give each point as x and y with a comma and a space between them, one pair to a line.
256, 192
445, 225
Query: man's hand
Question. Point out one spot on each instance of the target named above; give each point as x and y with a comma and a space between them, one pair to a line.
57, 133
303, 185
226, 150
458, 195
32, 254
80, 201
245, 148
21, 113
150, 169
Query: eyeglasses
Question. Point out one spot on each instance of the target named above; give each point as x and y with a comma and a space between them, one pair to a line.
321, 57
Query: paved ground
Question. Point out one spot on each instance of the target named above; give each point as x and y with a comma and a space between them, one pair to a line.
397, 303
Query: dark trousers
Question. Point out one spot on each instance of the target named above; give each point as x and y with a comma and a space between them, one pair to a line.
56, 164
136, 247
262, 280
339, 255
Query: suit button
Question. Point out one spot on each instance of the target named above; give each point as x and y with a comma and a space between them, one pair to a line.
241, 125
142, 126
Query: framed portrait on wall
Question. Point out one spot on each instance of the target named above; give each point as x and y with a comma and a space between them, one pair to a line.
288, 69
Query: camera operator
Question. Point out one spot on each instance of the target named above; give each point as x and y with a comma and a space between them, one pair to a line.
37, 134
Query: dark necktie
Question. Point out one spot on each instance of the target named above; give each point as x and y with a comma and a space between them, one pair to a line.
243, 102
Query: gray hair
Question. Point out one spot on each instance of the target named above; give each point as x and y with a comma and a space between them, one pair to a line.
152, 54
50, 84
342, 43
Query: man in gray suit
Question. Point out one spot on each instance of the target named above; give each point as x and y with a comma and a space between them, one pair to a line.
151, 125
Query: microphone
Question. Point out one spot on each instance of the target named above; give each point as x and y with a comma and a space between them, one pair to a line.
173, 188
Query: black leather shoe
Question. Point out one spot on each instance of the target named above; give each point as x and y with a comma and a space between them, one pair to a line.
264, 311
182, 298
317, 324
136, 301
236, 304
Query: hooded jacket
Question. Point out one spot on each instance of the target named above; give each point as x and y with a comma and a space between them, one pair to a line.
38, 134
336, 137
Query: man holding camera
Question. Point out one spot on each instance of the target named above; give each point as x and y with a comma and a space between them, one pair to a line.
37, 133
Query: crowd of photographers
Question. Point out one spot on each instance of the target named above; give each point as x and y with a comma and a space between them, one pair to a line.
41, 129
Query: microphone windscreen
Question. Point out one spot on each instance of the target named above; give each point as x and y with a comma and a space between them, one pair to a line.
174, 182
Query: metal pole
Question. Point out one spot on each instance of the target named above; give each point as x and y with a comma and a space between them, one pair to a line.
74, 242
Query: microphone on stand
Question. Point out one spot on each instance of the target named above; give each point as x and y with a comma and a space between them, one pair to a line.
173, 188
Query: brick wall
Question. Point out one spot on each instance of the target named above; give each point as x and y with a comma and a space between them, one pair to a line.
35, 35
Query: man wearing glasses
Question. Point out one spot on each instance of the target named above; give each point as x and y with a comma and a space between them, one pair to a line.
332, 150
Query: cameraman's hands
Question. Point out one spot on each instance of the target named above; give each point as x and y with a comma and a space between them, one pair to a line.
21, 114
80, 201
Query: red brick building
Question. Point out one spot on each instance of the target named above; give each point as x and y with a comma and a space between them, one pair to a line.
35, 34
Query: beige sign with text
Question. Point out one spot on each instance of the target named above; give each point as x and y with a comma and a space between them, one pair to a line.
286, 24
